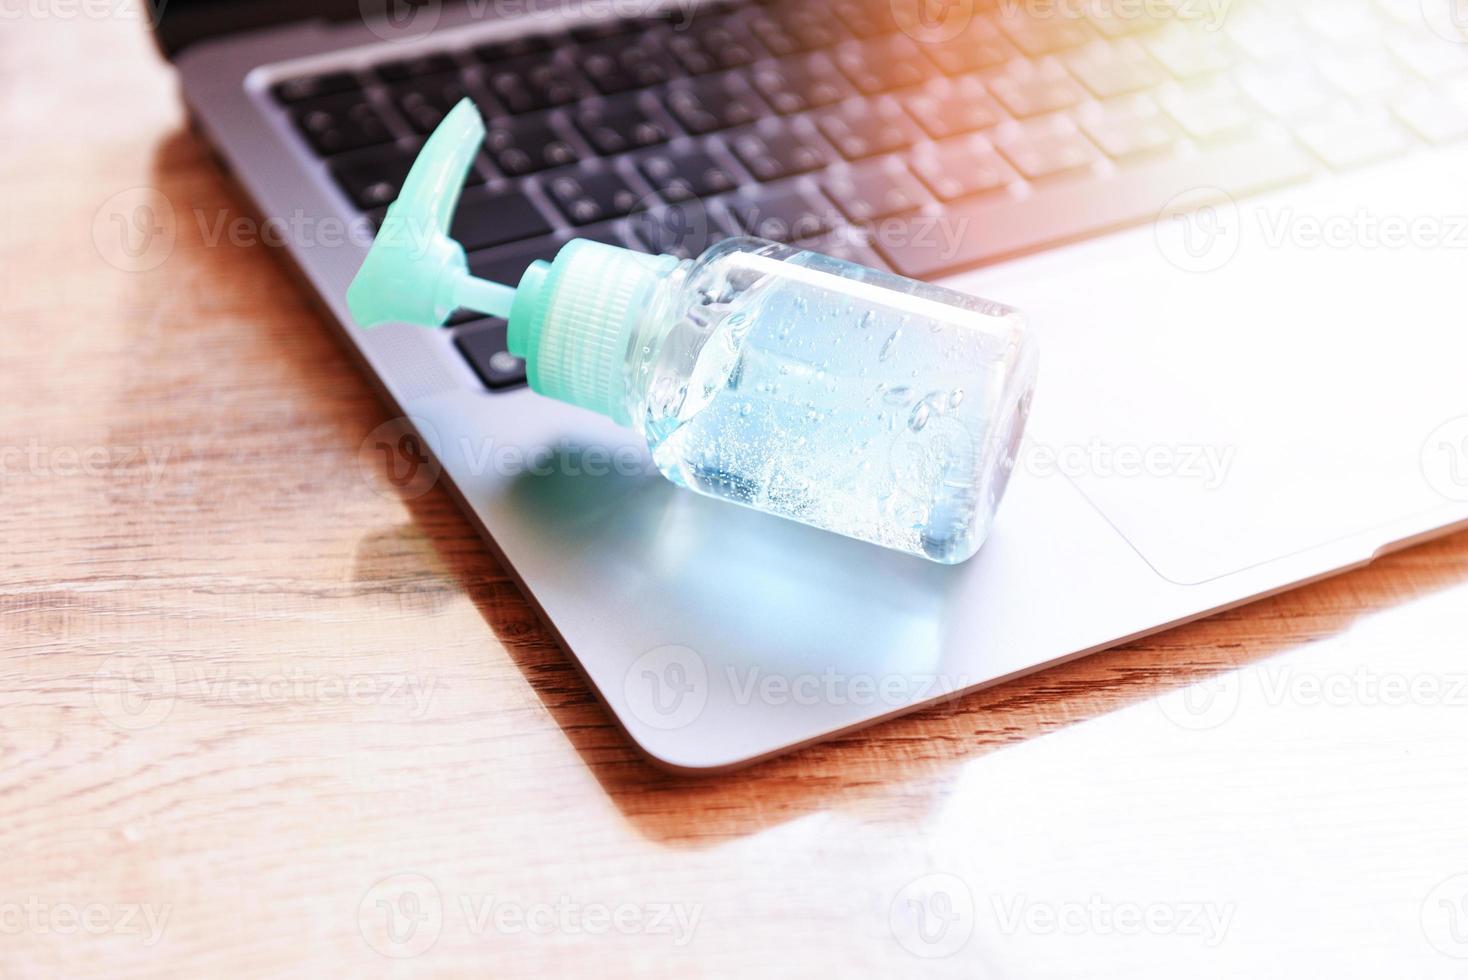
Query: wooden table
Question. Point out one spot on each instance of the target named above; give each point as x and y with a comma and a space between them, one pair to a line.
259, 717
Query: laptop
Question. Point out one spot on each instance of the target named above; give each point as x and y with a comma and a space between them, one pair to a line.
1238, 229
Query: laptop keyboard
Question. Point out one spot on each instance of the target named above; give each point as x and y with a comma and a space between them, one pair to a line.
822, 124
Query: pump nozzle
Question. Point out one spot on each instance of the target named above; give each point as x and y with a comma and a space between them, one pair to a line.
416, 273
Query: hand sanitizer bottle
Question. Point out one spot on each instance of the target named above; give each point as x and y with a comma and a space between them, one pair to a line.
801, 385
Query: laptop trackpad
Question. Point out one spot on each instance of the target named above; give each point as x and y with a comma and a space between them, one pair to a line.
1229, 415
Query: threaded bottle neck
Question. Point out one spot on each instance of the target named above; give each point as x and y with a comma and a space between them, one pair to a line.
574, 318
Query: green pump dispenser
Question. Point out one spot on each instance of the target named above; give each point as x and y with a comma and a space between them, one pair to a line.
570, 319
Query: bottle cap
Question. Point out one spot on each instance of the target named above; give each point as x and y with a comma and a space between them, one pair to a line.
570, 319
573, 320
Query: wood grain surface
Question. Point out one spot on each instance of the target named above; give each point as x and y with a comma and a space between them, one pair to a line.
262, 717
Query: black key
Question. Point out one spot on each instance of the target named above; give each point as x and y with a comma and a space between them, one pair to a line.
460, 317
605, 29
622, 63
294, 90
426, 64
875, 190
788, 28
498, 51
775, 149
948, 107
844, 243
684, 230
881, 64
425, 101
372, 178
681, 174
962, 167
532, 82
485, 219
707, 45
784, 214
801, 83
618, 125
337, 123
968, 53
702, 105
526, 144
483, 345
587, 197
607, 234
861, 128
508, 264
865, 18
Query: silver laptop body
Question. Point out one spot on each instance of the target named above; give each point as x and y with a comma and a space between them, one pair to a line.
1256, 381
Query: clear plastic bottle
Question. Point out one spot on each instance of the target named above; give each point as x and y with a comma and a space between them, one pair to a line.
805, 386
798, 384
